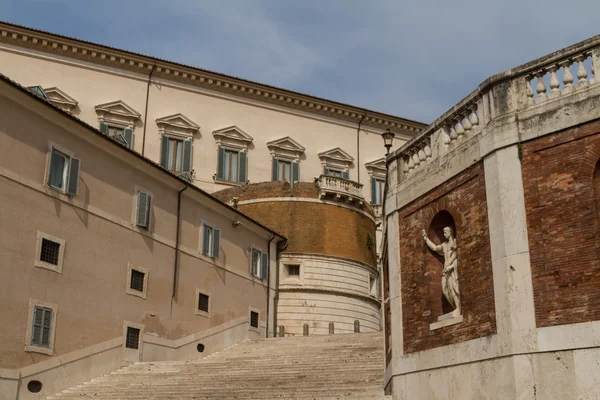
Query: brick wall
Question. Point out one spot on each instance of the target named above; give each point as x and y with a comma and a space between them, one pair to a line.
464, 197
559, 174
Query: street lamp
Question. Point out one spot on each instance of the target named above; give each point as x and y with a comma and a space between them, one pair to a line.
388, 138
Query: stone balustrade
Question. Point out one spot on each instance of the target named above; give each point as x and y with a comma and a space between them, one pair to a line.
340, 188
567, 72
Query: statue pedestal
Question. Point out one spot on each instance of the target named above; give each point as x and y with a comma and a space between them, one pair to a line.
448, 319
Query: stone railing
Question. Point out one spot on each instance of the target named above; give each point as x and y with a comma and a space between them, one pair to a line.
340, 188
512, 91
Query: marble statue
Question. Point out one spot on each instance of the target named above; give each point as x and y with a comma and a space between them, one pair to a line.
449, 273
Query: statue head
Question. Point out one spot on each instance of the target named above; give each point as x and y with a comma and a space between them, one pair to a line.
448, 232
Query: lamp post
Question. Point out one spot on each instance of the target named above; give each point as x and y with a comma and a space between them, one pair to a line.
388, 138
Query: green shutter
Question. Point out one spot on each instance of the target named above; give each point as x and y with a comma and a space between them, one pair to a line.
221, 164
205, 239
143, 210
242, 167
38, 319
216, 242
295, 172
345, 175
274, 176
164, 152
129, 137
73, 184
103, 128
373, 190
187, 156
264, 266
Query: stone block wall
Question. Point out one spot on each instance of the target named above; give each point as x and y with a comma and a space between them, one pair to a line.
561, 176
464, 197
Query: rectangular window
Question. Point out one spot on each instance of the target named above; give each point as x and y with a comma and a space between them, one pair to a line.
231, 166
203, 302
260, 264
253, 319
41, 326
284, 171
333, 172
293, 270
50, 251
144, 203
137, 280
122, 134
63, 173
377, 191
133, 338
211, 238
174, 154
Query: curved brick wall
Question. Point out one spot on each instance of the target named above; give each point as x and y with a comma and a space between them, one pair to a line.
314, 228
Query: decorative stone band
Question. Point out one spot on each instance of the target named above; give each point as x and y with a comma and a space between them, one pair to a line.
504, 93
340, 188
116, 58
337, 292
308, 200
313, 256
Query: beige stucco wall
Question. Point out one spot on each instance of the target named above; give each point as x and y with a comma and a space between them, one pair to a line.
93, 84
97, 226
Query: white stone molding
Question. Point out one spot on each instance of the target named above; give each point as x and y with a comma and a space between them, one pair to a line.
336, 158
61, 99
117, 113
177, 125
144, 292
376, 168
286, 148
233, 137
32, 348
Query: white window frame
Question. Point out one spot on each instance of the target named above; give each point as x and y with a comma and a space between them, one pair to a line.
34, 348
250, 327
142, 294
258, 272
197, 310
52, 147
38, 252
210, 253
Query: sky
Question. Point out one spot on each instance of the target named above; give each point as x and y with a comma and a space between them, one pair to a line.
411, 59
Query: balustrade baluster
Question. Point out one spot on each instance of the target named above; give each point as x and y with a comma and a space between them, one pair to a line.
404, 165
427, 150
529, 89
460, 129
453, 134
411, 164
541, 87
582, 74
474, 117
567, 78
415, 158
467, 124
554, 82
446, 135
422, 156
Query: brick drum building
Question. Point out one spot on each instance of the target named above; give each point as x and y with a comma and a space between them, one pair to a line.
502, 192
327, 277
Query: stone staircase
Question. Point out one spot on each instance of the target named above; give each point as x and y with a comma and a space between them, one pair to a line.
345, 366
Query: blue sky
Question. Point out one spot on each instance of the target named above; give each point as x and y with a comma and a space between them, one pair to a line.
411, 59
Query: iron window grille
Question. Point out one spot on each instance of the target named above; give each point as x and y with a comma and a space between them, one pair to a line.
254, 319
293, 270
137, 280
50, 251
133, 338
203, 302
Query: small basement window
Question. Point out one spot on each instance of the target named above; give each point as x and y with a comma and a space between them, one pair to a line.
137, 280
203, 302
133, 338
253, 319
50, 251
293, 270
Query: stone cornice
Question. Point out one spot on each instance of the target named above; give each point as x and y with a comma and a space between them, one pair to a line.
63, 46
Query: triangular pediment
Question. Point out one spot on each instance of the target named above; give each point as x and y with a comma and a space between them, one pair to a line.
177, 121
376, 164
233, 133
286, 143
60, 98
337, 154
118, 107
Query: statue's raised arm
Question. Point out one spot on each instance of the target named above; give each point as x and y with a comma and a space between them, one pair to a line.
434, 247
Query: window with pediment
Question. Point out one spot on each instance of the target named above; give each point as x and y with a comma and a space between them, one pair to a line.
177, 135
232, 156
61, 99
285, 159
117, 120
336, 162
377, 173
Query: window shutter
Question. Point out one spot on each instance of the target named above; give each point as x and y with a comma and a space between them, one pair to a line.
221, 164
243, 167
103, 128
73, 177
345, 175
164, 152
187, 156
295, 172
216, 242
373, 190
264, 266
46, 327
38, 319
143, 210
274, 176
129, 137
205, 240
